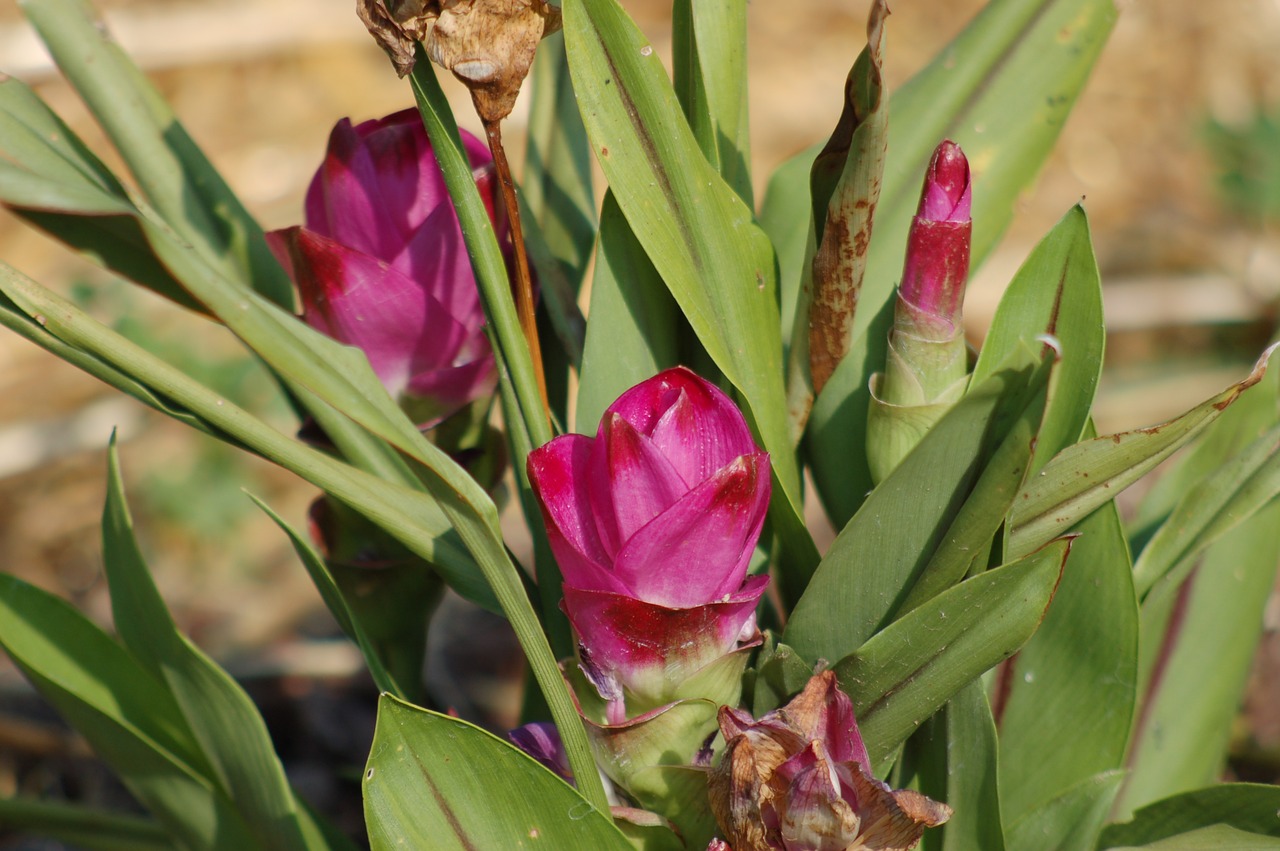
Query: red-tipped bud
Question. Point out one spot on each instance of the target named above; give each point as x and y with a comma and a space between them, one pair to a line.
937, 264
947, 196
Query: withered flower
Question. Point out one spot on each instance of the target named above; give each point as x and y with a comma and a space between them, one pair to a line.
487, 44
798, 780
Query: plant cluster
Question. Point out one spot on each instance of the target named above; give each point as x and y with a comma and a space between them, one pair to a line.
986, 656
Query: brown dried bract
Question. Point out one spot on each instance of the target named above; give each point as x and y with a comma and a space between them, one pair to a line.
489, 45
396, 25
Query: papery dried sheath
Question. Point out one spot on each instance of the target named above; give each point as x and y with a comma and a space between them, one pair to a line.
926, 364
381, 265
798, 779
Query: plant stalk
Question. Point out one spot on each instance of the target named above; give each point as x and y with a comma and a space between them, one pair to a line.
524, 281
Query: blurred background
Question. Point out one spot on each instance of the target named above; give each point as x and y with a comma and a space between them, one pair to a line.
1174, 147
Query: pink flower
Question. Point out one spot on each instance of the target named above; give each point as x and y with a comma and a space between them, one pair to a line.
653, 523
381, 264
799, 780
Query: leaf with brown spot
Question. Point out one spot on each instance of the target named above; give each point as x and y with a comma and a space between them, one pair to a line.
1085, 476
845, 186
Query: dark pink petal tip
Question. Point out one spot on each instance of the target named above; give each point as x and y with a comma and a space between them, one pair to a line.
947, 195
624, 634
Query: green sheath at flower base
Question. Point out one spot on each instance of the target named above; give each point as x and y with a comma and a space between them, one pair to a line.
926, 364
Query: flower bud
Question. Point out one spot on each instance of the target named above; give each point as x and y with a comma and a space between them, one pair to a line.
381, 265
926, 365
937, 264
541, 740
798, 779
653, 522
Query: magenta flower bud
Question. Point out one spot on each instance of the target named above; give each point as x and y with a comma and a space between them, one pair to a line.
653, 522
798, 779
541, 740
381, 265
937, 264
927, 362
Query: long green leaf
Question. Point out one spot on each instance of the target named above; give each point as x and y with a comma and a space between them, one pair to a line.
868, 573
557, 169
709, 50
1091, 473
1201, 633
1069, 677
128, 716
526, 418
907, 671
82, 827
1071, 821
171, 169
334, 600
631, 312
1247, 807
959, 764
1002, 89
424, 788
33, 136
101, 220
466, 507
697, 232
55, 182
1057, 291
225, 722
413, 515
1211, 509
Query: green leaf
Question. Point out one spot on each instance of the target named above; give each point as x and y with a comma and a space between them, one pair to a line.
334, 600
631, 312
1199, 636
785, 216
232, 735
709, 52
33, 136
698, 234
343, 378
1212, 508
1246, 807
1213, 838
32, 329
413, 515
85, 828
467, 505
129, 717
528, 420
959, 759
422, 789
557, 168
1071, 312
1071, 821
55, 182
907, 671
779, 674
1090, 474
868, 573
1073, 676
1002, 89
170, 168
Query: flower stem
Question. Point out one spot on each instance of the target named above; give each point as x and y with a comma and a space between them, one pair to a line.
524, 281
